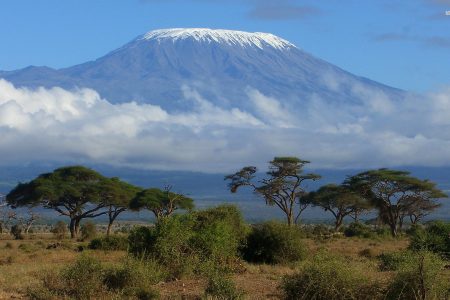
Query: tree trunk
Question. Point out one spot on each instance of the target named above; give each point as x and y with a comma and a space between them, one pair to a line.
108, 230
338, 223
394, 230
400, 223
73, 232
289, 217
77, 226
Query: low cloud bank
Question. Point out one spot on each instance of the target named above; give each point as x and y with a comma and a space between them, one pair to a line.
79, 126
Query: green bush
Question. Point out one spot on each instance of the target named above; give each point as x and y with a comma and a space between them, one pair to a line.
419, 278
111, 243
83, 279
88, 231
169, 242
394, 260
59, 230
16, 232
134, 278
140, 241
435, 238
328, 277
218, 232
87, 278
182, 241
274, 243
358, 229
221, 287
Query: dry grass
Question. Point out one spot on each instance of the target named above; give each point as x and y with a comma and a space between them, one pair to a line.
22, 261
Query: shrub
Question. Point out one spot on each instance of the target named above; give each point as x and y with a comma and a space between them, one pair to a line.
394, 260
168, 243
59, 230
140, 241
328, 277
83, 279
9, 245
221, 287
88, 231
194, 242
218, 232
86, 278
435, 238
111, 243
274, 243
16, 232
419, 278
134, 278
368, 253
358, 229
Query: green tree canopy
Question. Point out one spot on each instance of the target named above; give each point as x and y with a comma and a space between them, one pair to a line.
75, 191
282, 188
161, 202
117, 196
395, 193
340, 200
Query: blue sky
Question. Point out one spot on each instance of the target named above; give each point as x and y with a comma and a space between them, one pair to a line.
405, 44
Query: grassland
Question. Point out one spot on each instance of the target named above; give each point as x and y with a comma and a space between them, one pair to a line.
23, 261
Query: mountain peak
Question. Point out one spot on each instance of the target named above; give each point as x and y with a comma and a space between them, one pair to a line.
229, 37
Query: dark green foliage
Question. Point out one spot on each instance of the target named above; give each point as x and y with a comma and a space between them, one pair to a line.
88, 231
435, 238
87, 278
192, 242
358, 229
328, 277
415, 230
396, 194
419, 278
318, 231
76, 192
394, 260
16, 232
111, 243
274, 243
59, 230
161, 203
83, 279
134, 278
282, 187
141, 240
221, 287
339, 200
219, 232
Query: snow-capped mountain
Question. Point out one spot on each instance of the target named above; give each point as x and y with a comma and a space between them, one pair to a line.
221, 65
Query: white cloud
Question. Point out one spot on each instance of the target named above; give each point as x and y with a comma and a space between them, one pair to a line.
79, 126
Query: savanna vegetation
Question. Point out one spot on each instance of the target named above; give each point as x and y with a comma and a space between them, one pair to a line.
212, 253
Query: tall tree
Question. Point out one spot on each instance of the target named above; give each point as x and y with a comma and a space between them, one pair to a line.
73, 191
162, 203
394, 193
282, 188
340, 200
116, 195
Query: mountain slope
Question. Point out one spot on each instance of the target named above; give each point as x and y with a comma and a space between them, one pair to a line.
221, 65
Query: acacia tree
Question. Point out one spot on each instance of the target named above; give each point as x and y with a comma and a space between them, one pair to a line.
28, 220
117, 196
162, 203
282, 188
394, 193
73, 191
340, 200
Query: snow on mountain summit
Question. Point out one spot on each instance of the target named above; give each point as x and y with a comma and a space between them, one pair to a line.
230, 37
